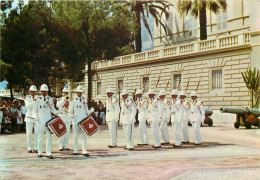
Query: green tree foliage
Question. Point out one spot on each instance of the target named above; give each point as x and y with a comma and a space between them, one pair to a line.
92, 31
198, 8
50, 40
252, 79
142, 9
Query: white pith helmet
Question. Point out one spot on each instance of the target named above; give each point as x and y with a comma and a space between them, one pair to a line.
33, 88
44, 87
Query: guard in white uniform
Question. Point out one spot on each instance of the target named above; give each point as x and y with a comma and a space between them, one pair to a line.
30, 121
127, 119
153, 117
197, 116
164, 114
112, 116
78, 109
176, 123
63, 105
42, 112
142, 107
183, 114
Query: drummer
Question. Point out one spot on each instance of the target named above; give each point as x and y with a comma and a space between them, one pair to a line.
78, 110
63, 105
42, 113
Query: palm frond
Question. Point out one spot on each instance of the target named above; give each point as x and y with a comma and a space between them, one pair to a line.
146, 24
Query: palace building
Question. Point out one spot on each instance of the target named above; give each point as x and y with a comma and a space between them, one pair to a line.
233, 45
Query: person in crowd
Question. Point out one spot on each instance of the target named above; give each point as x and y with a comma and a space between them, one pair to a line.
13, 117
24, 109
19, 118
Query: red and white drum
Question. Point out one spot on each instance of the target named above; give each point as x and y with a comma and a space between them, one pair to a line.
57, 126
88, 125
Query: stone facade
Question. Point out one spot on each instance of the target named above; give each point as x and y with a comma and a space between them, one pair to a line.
216, 63
193, 69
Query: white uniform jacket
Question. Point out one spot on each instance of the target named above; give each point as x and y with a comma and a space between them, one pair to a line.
63, 106
29, 103
43, 108
153, 110
182, 109
197, 111
142, 107
164, 110
78, 109
112, 109
173, 110
128, 111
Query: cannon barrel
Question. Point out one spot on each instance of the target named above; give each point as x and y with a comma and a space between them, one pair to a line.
208, 112
256, 112
233, 110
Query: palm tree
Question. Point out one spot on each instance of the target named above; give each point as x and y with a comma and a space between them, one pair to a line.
142, 9
198, 8
251, 79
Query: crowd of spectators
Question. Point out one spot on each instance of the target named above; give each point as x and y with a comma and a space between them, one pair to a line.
12, 115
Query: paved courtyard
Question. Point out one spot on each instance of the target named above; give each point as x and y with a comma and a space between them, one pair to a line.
226, 153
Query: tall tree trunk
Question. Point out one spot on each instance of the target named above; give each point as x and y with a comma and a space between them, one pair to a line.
203, 21
138, 36
11, 90
89, 56
89, 79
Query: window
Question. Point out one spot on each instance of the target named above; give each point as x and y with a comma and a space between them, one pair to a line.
145, 85
99, 88
120, 85
176, 80
216, 79
191, 25
221, 20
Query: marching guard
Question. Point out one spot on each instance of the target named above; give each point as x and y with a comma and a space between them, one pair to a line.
127, 119
112, 116
78, 109
175, 120
30, 121
42, 112
142, 106
153, 117
164, 117
63, 105
183, 114
197, 116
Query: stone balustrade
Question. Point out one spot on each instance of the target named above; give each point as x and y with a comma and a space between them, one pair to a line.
185, 49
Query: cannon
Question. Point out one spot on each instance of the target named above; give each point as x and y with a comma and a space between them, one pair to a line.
244, 116
208, 120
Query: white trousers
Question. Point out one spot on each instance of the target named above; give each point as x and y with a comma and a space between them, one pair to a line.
143, 132
155, 129
41, 130
185, 131
76, 132
64, 140
164, 131
196, 127
29, 129
112, 126
177, 131
128, 131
